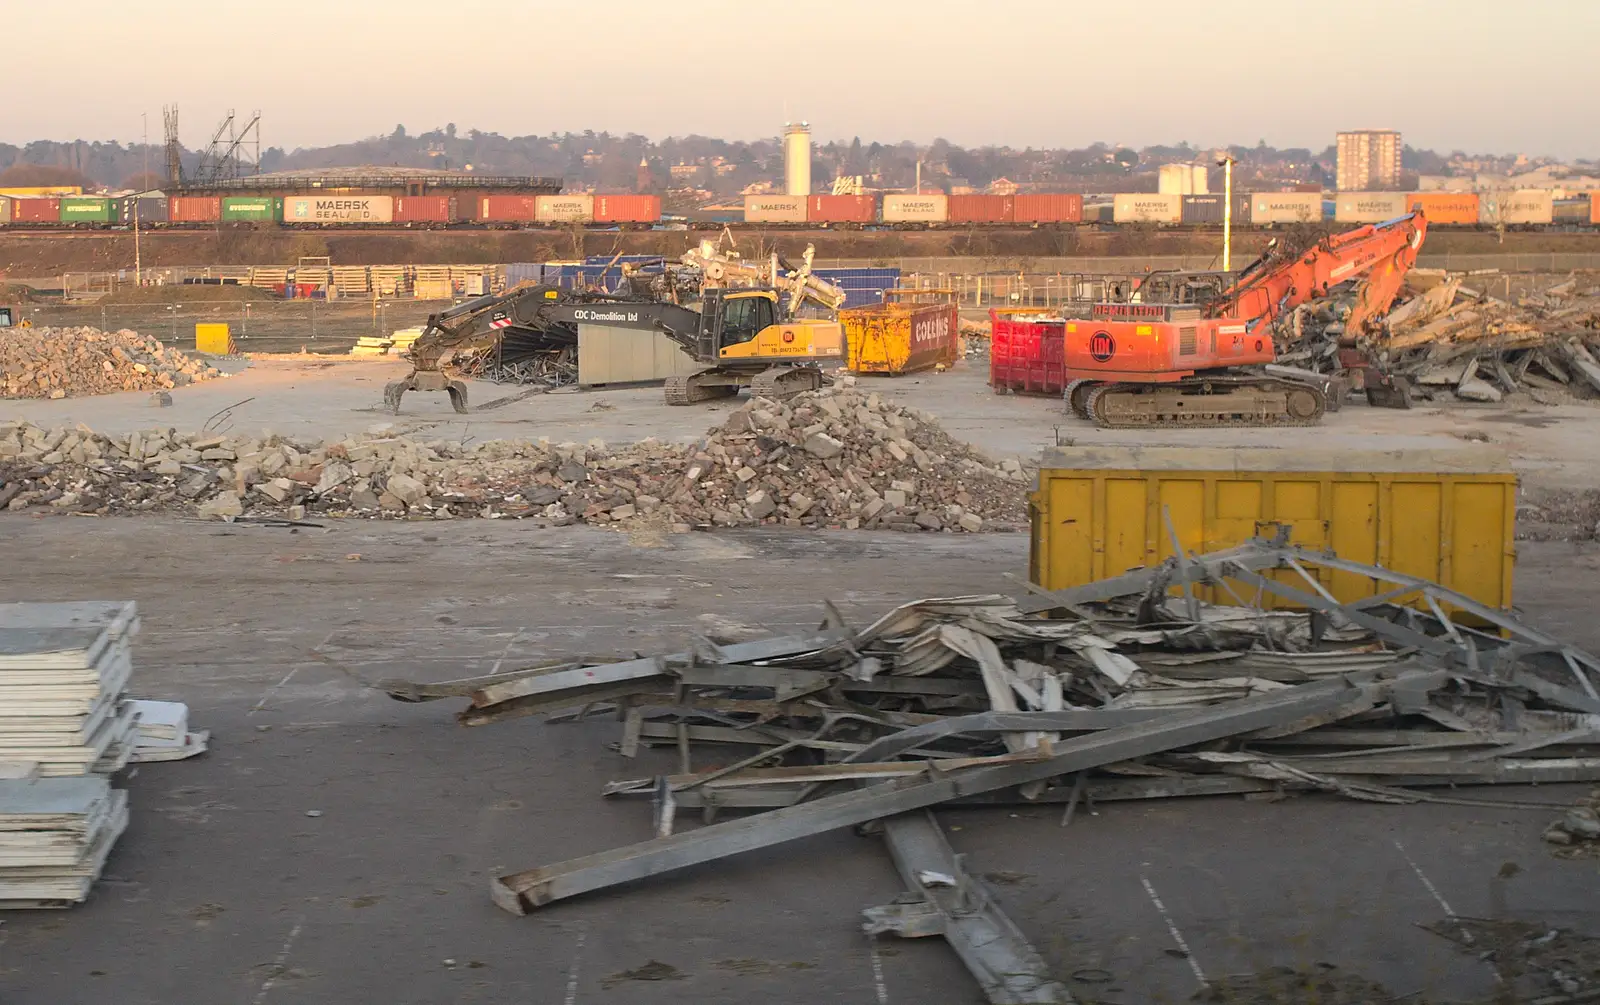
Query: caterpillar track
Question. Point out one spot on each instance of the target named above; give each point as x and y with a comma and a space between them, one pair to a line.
1213, 402
780, 382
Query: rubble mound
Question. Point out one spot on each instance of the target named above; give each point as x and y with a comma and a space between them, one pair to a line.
70, 362
832, 458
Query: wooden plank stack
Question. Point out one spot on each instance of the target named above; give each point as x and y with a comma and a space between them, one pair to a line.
55, 835
65, 728
63, 670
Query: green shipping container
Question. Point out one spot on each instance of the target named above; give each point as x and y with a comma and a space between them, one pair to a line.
88, 209
242, 208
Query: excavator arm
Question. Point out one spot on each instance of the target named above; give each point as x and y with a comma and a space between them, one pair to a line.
1379, 256
471, 325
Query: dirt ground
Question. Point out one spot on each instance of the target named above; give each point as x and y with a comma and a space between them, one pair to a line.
227, 889
231, 892
1552, 448
45, 254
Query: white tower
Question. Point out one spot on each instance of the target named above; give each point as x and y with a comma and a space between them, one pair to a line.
797, 158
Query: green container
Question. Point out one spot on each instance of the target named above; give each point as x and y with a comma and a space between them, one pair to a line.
246, 208
88, 209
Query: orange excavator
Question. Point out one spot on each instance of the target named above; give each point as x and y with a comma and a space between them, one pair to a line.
1194, 350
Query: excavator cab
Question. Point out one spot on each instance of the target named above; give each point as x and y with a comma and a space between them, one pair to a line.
741, 315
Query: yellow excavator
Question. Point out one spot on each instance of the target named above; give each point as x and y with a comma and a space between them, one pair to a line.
742, 322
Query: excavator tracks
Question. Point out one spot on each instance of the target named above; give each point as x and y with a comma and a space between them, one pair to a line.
782, 382
1206, 403
695, 387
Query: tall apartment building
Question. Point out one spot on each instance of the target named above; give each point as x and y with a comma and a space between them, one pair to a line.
1369, 160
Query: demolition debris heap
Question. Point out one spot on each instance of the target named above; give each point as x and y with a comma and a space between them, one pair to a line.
69, 362
831, 458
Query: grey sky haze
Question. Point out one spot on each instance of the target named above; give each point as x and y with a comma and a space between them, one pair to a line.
1470, 74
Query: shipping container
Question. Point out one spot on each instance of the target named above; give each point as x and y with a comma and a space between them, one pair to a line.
5, 210
1049, 207
1524, 207
841, 209
1268, 208
1369, 207
88, 209
1099, 212
337, 210
36, 209
152, 209
1147, 207
194, 208
916, 208
507, 208
896, 338
1575, 210
1445, 208
252, 209
1444, 515
564, 208
1594, 208
424, 209
1199, 210
774, 209
627, 208
1027, 351
983, 209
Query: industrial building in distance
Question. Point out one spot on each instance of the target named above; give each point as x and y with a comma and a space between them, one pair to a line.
1368, 160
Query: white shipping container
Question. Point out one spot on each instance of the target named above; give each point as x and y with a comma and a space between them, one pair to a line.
916, 208
1523, 206
1369, 207
1285, 207
1142, 207
337, 209
563, 208
774, 209
5, 209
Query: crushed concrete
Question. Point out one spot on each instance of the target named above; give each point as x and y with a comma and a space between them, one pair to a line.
70, 362
833, 458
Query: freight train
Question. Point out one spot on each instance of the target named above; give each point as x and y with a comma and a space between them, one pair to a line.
1521, 209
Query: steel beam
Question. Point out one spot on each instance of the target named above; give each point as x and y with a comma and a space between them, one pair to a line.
1007, 967
524, 891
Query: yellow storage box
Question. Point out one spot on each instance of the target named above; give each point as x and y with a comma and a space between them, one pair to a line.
1447, 515
213, 338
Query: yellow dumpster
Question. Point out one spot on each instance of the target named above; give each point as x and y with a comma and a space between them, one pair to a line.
1447, 515
213, 338
899, 337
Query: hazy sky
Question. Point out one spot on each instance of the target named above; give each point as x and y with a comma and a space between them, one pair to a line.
1479, 75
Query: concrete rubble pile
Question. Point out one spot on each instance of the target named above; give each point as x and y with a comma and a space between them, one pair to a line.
70, 362
1160, 682
832, 458
1452, 341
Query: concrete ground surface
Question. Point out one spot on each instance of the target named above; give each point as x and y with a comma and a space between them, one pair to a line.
321, 398
224, 890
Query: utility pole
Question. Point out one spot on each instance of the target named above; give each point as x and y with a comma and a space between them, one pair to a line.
1226, 164
144, 179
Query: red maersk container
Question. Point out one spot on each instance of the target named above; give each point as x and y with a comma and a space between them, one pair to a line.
1026, 352
627, 208
194, 209
983, 208
26, 209
423, 209
507, 208
841, 209
1049, 207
